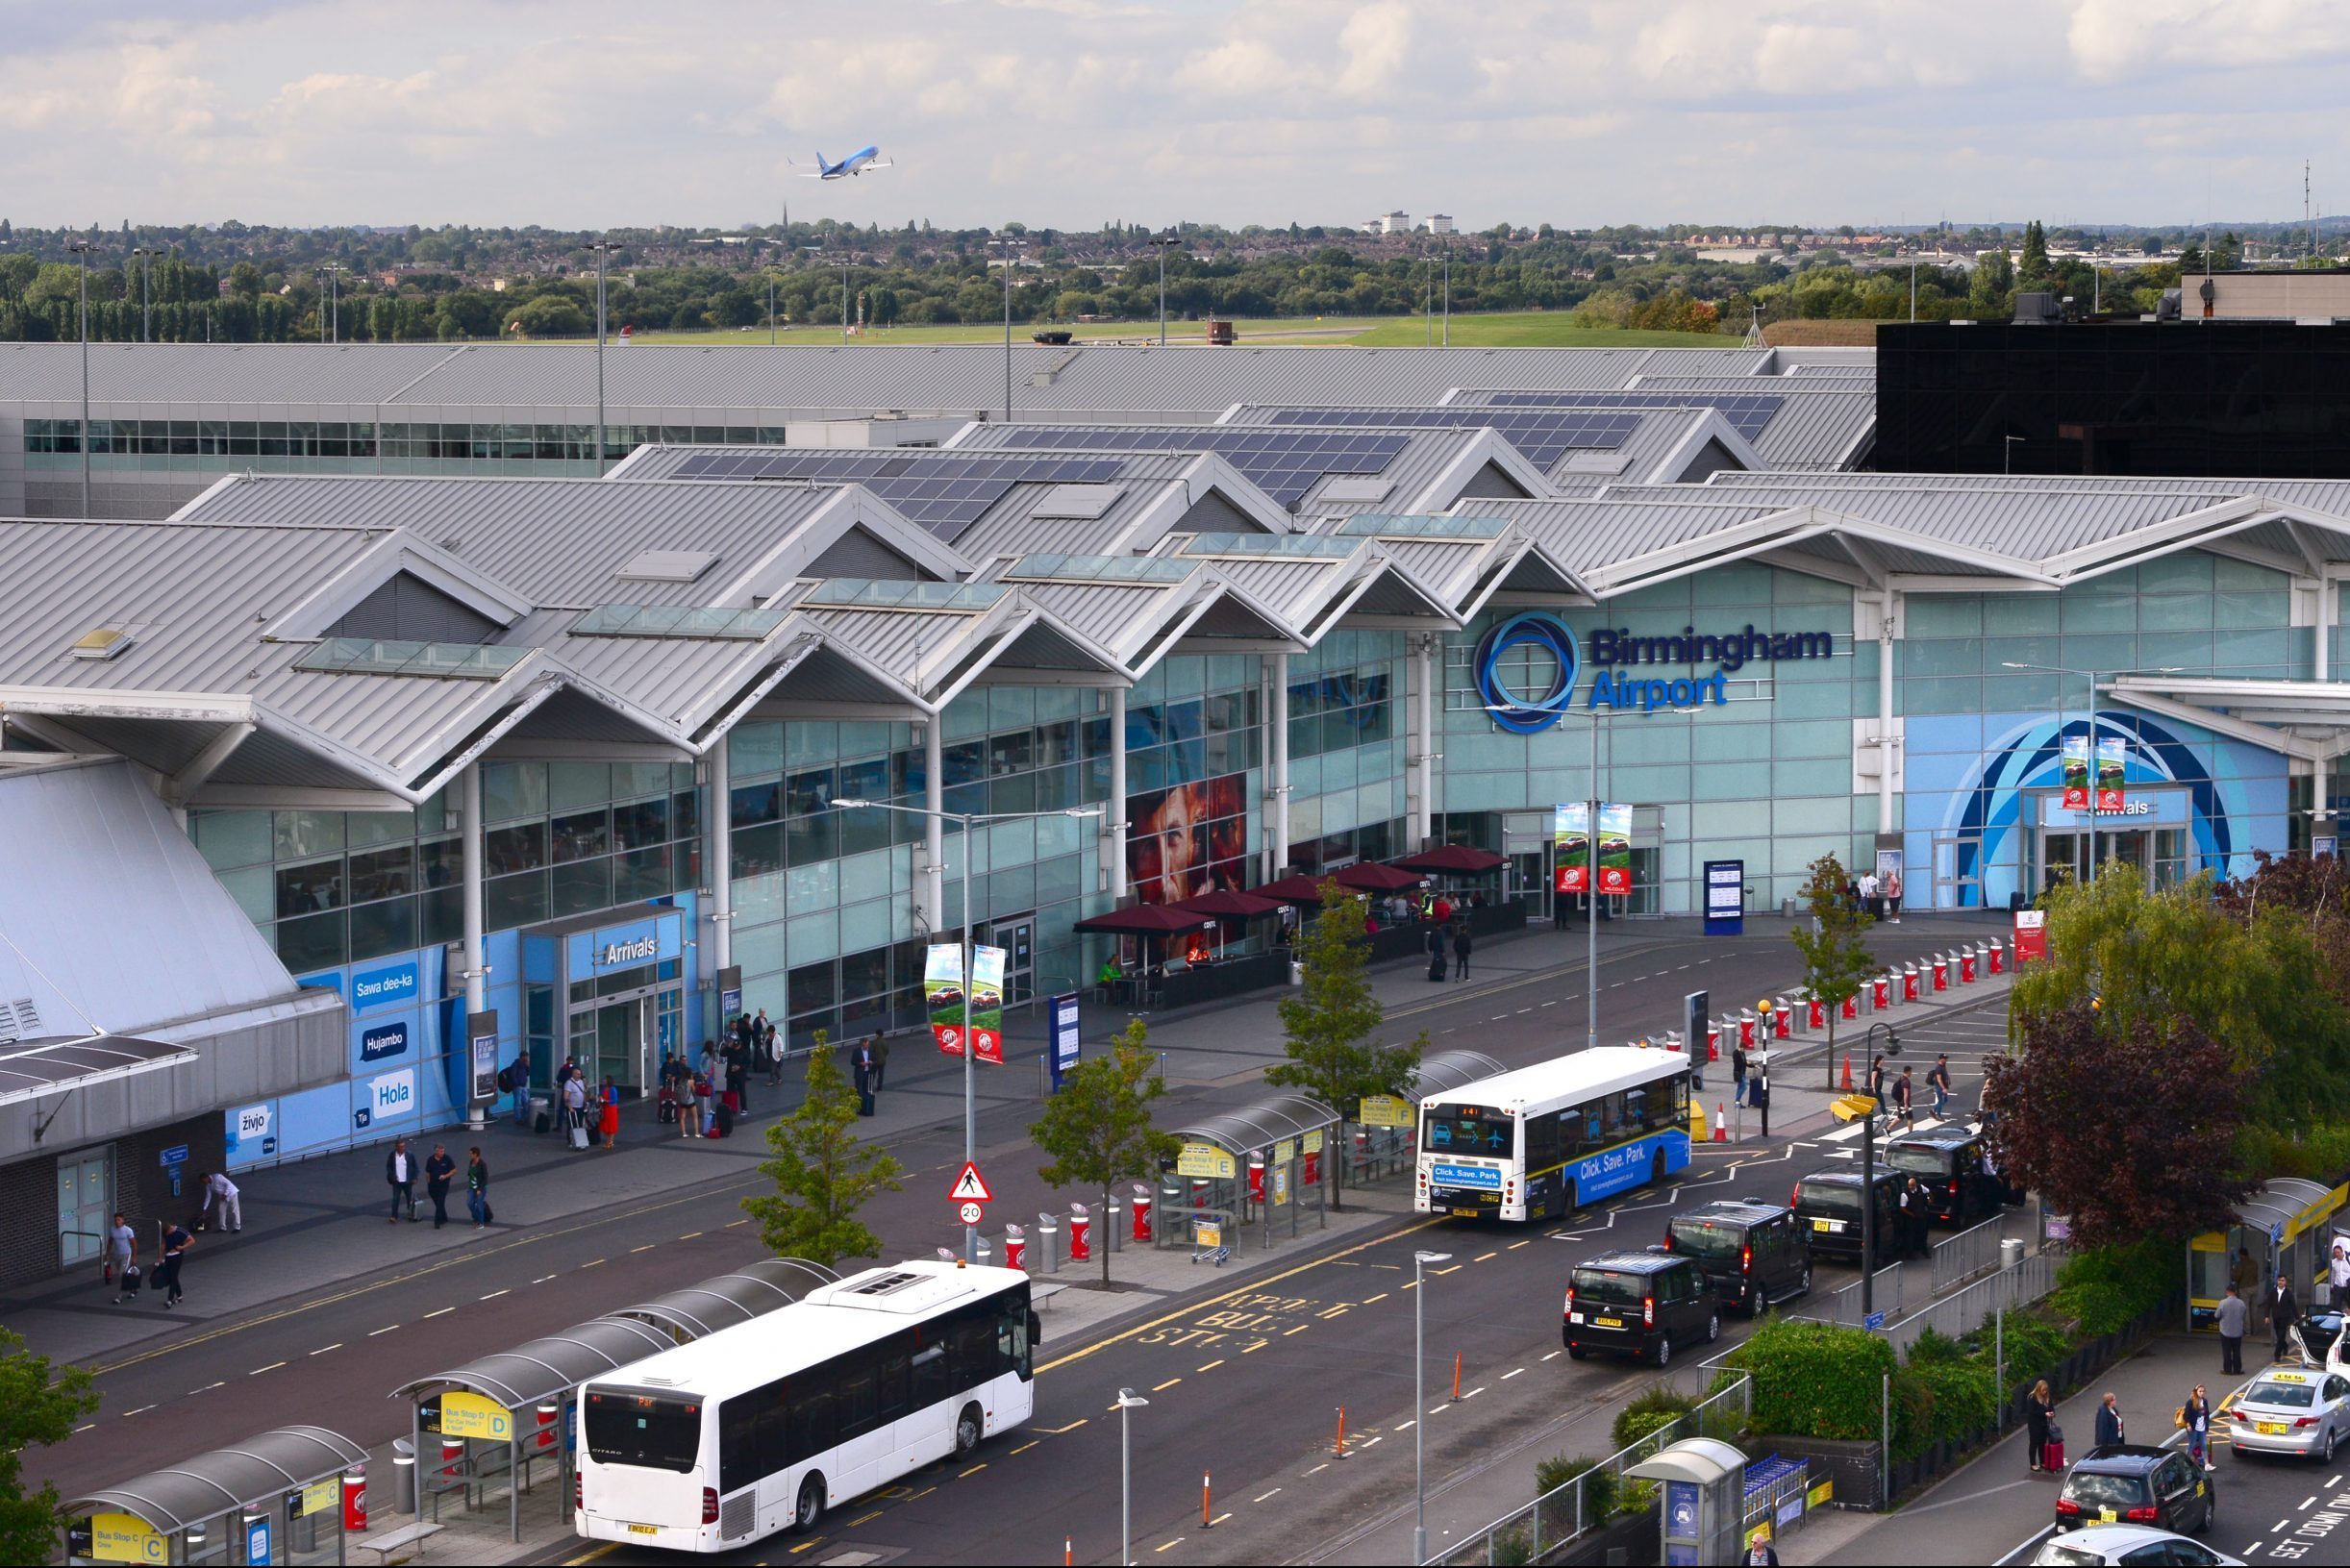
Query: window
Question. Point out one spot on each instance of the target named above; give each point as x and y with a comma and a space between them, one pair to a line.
646, 1430
860, 1394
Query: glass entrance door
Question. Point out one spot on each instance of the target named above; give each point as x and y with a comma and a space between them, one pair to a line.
628, 1036
1018, 937
85, 1193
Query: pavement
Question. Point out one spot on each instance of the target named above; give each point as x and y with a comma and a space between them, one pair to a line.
1995, 1510
323, 1304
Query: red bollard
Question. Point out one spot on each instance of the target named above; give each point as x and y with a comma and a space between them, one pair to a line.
1942, 972
1255, 1178
1456, 1376
452, 1457
1909, 982
1818, 1010
1314, 1166
1880, 995
1999, 958
1713, 1042
1966, 965
1206, 1501
1141, 1211
1015, 1247
1746, 1032
1080, 1229
1782, 1022
355, 1502
545, 1438
1851, 1008
1339, 1451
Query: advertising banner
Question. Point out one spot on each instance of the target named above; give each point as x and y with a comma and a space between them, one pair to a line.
942, 995
2111, 750
2076, 773
1187, 838
987, 1003
1570, 839
1615, 850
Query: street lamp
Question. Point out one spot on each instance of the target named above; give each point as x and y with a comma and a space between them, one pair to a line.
82, 248
2090, 676
332, 316
1128, 1399
964, 821
147, 291
1161, 245
602, 249
1448, 292
1419, 1400
1010, 247
1591, 846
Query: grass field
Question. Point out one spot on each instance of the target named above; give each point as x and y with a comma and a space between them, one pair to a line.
1521, 329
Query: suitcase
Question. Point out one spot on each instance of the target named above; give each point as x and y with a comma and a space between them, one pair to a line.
722, 1121
2052, 1457
668, 1109
546, 1120
579, 1134
130, 1283
1436, 966
733, 1101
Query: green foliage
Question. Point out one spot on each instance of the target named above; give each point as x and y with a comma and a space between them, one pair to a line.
40, 1406
1654, 1408
2319, 1154
1836, 958
1815, 1378
1511, 1549
1097, 1129
1600, 1492
1933, 1346
822, 1173
1328, 1022
2105, 1289
1959, 1396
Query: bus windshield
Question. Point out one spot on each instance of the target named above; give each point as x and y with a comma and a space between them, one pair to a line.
643, 1429
1471, 1129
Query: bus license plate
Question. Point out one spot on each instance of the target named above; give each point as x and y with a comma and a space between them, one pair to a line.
1606, 1322
644, 1529
1466, 1213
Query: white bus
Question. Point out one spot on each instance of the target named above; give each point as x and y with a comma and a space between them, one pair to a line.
764, 1426
1544, 1139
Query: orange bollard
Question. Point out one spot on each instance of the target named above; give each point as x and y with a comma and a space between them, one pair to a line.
1068, 1552
1339, 1451
1721, 1130
1847, 1072
1205, 1496
1455, 1375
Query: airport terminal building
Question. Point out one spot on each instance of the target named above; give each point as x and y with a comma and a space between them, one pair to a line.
503, 737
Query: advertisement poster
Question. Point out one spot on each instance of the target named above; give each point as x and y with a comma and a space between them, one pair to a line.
987, 1003
1570, 837
1615, 850
2076, 773
2111, 750
1187, 839
942, 995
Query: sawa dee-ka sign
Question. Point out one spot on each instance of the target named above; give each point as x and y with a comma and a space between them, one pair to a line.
1613, 650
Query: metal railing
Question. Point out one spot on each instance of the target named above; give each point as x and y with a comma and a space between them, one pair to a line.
1973, 1251
1965, 1311
1843, 1304
1583, 1503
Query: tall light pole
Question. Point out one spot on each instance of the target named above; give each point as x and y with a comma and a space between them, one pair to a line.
2091, 677
1010, 247
1128, 1402
1448, 292
1591, 846
602, 248
1161, 245
147, 291
81, 247
332, 316
1419, 1401
963, 821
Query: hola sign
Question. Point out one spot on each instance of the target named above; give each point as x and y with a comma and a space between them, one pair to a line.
470, 1415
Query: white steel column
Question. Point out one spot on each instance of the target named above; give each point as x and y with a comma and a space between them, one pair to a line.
1884, 715
721, 840
469, 803
1423, 821
2327, 588
1278, 745
1113, 811
934, 828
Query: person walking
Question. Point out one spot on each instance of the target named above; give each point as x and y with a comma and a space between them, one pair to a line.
1760, 1553
764, 1035
1435, 952
219, 1189
400, 1174
575, 1111
2245, 1273
692, 1089
2234, 1313
1892, 897
121, 1257
175, 1245
477, 1188
1737, 1073
1905, 1098
438, 1169
2110, 1426
522, 1070
738, 1065
609, 1113
2283, 1312
879, 1045
2337, 1275
1461, 951
1868, 893
1937, 1078
2039, 1411
863, 1065
1876, 1079
2195, 1416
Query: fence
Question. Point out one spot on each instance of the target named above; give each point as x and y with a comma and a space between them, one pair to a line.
1953, 1261
1971, 1252
1967, 1309
1888, 1292
1599, 1494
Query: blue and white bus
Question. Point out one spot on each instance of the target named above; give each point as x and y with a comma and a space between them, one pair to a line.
1541, 1140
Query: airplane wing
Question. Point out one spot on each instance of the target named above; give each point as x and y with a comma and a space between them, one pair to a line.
882, 163
805, 172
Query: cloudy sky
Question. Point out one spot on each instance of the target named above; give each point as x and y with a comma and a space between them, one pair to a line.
1070, 112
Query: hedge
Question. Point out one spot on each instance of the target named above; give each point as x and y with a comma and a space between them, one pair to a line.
1657, 1408
1816, 1378
2105, 1289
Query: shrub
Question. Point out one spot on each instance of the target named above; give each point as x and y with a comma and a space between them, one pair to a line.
1964, 1398
1932, 1345
2105, 1289
1657, 1408
1815, 1378
1511, 1549
1560, 1513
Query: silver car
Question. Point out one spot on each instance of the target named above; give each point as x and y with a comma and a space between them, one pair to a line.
2126, 1544
2298, 1412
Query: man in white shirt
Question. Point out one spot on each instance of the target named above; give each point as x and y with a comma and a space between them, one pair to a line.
219, 1189
1868, 892
400, 1174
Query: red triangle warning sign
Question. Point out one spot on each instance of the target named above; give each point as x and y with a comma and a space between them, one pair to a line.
969, 1188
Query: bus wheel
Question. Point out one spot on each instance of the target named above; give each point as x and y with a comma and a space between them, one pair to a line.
1655, 1169
812, 1504
969, 1430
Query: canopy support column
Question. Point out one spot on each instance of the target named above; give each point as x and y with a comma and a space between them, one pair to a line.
477, 972
721, 839
1114, 818
933, 897
1884, 716
1277, 854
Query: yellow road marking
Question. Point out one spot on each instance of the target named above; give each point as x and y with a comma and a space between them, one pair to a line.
1025, 1446
1382, 1296
1170, 1383
974, 1470
1300, 1329
1212, 1365
875, 1514
1072, 1426
1482, 1256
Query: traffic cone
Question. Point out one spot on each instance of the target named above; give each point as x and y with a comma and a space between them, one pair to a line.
1721, 1128
1847, 1072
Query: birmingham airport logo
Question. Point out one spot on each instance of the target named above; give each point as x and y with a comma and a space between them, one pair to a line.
1531, 712
1519, 713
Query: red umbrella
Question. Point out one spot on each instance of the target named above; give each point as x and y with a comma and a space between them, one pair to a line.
1455, 860
1145, 920
1227, 904
1370, 877
1298, 889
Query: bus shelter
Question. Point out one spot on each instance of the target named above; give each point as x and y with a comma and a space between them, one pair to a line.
273, 1498
498, 1415
1252, 1164
2279, 1229
1387, 1126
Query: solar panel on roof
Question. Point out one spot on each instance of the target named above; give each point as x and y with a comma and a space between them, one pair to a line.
1543, 435
1747, 413
1284, 463
945, 492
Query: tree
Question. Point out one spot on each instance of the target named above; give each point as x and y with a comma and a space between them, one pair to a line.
822, 1173
1098, 1127
549, 315
1328, 1022
38, 1405
2128, 1124
1836, 960
2031, 266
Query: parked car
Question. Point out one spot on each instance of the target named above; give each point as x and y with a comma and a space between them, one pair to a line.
1753, 1255
1948, 1160
2130, 1483
2302, 1413
2098, 1545
1827, 1203
1639, 1303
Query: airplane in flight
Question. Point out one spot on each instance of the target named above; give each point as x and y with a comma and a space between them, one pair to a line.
856, 163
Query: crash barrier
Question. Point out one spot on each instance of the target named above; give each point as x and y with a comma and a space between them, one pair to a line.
296, 1493
1581, 1505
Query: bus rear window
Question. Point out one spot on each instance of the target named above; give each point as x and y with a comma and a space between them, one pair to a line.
1829, 1197
645, 1430
1469, 1130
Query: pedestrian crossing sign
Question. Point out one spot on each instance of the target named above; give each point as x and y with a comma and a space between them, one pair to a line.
969, 1187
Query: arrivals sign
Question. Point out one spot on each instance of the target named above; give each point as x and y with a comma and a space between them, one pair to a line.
942, 995
1570, 837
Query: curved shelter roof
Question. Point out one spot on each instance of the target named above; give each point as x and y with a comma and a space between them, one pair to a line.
1262, 1122
550, 1366
730, 1298
1443, 1071
227, 1479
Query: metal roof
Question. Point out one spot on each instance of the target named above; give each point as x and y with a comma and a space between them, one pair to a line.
32, 1068
552, 1366
1440, 1071
729, 1299
1262, 1122
224, 1480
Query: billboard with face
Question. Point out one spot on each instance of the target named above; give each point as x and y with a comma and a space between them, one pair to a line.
1187, 839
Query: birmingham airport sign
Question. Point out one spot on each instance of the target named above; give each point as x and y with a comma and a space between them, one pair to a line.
1612, 652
